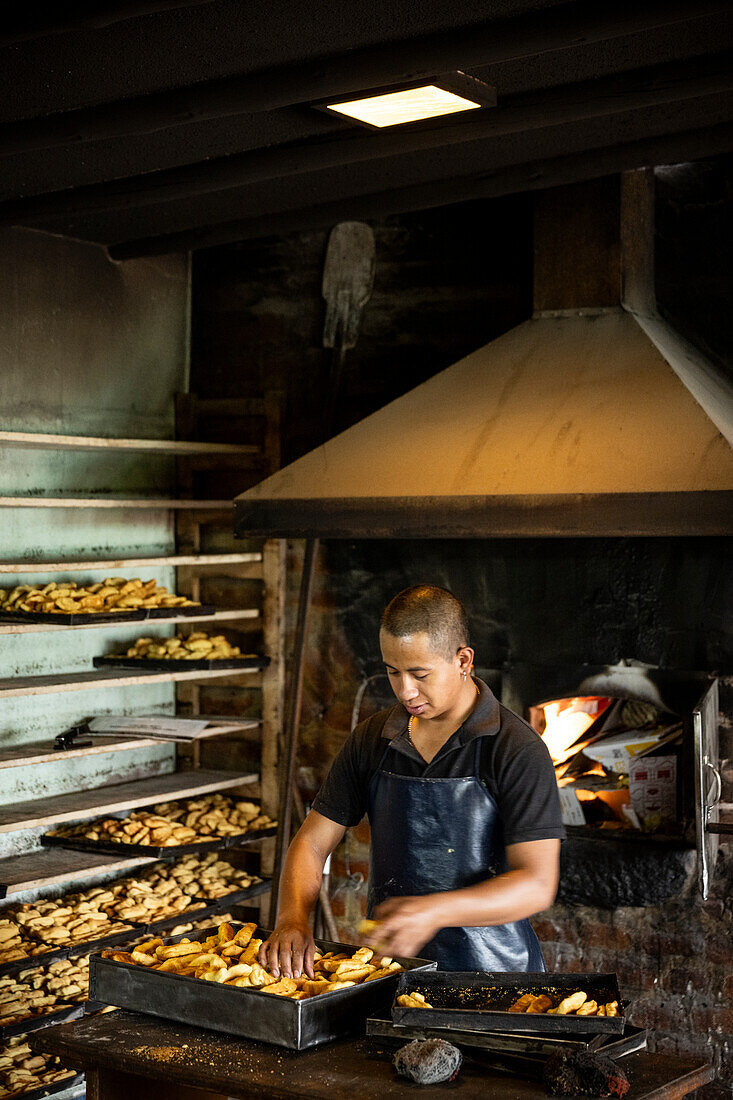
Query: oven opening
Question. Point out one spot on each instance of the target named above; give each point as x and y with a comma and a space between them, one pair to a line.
617, 762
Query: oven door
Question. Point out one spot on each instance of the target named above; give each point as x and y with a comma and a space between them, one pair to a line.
707, 785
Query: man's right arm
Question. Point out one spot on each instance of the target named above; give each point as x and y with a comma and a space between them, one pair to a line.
290, 948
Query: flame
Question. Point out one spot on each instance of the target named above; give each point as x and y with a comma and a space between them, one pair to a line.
566, 720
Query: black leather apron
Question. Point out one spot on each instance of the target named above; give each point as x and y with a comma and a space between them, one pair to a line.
433, 835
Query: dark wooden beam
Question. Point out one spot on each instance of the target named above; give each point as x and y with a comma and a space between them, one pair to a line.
577, 245
27, 22
552, 515
533, 34
636, 90
531, 176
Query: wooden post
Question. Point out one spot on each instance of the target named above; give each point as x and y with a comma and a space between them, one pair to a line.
637, 241
188, 540
273, 689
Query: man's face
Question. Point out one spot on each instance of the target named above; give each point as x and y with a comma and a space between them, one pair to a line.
425, 682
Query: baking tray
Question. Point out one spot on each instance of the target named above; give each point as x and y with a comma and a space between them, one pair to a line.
194, 612
67, 951
155, 851
172, 921
249, 1013
35, 1023
210, 907
163, 664
514, 1043
15, 967
236, 897
51, 1090
73, 618
458, 996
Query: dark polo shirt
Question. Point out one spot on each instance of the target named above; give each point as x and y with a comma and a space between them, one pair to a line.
514, 766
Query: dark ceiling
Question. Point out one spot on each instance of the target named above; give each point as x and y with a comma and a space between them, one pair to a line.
160, 126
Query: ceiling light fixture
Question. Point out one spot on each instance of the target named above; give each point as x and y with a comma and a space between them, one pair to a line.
397, 106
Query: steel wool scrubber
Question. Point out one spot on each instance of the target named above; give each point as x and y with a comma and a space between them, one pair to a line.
428, 1061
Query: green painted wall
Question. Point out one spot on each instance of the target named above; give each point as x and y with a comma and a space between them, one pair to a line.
87, 347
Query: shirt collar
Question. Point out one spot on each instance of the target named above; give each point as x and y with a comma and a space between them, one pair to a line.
483, 721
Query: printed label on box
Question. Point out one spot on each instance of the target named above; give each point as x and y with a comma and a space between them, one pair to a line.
572, 812
653, 789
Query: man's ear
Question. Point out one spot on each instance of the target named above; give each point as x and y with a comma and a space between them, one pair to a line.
465, 658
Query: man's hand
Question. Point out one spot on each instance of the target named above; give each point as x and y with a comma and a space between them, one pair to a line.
407, 924
530, 884
289, 950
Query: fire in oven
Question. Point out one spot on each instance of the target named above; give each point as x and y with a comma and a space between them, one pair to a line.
635, 751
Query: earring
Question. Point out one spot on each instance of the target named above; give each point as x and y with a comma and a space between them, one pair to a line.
464, 677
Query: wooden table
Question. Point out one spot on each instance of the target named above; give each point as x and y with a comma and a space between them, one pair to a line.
127, 1056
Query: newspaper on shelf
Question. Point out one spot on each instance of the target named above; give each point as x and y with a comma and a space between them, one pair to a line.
164, 727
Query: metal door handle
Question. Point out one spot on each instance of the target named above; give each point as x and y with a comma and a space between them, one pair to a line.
717, 785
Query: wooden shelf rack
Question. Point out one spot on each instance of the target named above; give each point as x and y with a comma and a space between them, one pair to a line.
43, 752
141, 503
118, 796
55, 866
173, 447
236, 614
201, 561
193, 563
16, 686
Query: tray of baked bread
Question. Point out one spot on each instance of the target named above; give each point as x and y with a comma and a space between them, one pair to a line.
31, 1075
39, 953
115, 599
196, 651
182, 664
216, 981
191, 826
212, 910
51, 993
527, 1002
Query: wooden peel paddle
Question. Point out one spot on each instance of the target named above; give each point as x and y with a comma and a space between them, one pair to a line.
348, 279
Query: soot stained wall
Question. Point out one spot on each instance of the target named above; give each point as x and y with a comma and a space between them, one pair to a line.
446, 281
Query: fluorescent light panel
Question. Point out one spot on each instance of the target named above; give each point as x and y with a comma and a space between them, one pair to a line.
409, 105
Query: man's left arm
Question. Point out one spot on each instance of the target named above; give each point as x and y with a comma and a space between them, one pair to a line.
528, 887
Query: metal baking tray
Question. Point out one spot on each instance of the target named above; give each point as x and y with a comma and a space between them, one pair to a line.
479, 1001
194, 612
163, 664
514, 1042
210, 908
249, 1013
67, 951
51, 1090
236, 897
35, 1023
196, 911
73, 618
16, 965
155, 851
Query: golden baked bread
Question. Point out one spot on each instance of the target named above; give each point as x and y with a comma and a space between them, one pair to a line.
232, 957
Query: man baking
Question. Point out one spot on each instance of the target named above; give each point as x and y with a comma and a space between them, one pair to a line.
463, 807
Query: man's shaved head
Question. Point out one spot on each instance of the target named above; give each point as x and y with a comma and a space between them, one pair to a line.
427, 609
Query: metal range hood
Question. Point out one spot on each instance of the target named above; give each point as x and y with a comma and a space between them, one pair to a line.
592, 418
